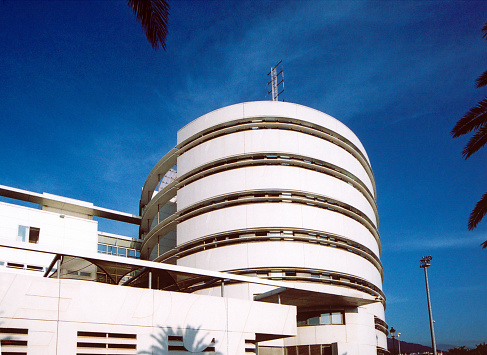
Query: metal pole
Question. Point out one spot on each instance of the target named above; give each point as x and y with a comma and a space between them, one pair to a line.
432, 329
425, 262
59, 261
399, 343
393, 334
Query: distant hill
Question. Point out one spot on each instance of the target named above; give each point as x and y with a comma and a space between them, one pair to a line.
411, 347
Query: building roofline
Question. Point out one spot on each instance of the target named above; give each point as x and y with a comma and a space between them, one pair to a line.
67, 204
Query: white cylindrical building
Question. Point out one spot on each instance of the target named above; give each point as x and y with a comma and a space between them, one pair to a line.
280, 191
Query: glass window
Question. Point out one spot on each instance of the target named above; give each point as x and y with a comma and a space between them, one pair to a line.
122, 252
276, 274
137, 254
85, 274
102, 248
314, 321
325, 318
337, 318
22, 234
131, 253
112, 250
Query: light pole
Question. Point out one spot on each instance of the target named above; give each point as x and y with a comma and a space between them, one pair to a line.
399, 343
425, 263
393, 333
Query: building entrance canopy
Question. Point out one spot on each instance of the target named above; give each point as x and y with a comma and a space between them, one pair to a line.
186, 279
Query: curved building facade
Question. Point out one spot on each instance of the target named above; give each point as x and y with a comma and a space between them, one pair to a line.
280, 191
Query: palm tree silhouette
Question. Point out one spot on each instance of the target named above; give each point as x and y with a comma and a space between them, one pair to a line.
161, 345
153, 15
475, 120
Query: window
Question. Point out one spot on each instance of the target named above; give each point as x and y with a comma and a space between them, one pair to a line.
22, 234
327, 318
34, 235
337, 318
30, 234
118, 251
276, 274
122, 252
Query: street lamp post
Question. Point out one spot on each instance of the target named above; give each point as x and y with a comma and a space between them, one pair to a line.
425, 263
393, 333
399, 343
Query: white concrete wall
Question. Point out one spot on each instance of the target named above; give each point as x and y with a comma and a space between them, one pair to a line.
72, 234
278, 254
356, 336
272, 141
275, 215
276, 177
55, 310
267, 109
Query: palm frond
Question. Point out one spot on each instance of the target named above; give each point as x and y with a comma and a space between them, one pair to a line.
473, 119
478, 213
478, 140
484, 244
482, 80
484, 30
153, 15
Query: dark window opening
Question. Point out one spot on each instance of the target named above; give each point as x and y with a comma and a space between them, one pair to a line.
34, 235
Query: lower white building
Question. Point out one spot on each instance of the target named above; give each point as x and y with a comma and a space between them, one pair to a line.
258, 234
86, 309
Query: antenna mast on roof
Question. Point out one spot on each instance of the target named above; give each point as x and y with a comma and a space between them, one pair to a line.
275, 83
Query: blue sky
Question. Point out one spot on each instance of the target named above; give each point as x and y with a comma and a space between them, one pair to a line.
87, 108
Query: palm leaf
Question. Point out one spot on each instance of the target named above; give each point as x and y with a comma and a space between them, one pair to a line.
153, 15
476, 142
482, 80
473, 119
484, 244
484, 30
478, 213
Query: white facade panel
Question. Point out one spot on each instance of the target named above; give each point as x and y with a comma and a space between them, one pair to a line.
279, 254
55, 230
271, 141
281, 216
54, 311
275, 177
267, 109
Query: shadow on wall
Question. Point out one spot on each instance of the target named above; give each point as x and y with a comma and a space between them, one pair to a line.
4, 339
176, 340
